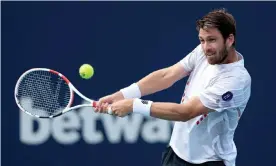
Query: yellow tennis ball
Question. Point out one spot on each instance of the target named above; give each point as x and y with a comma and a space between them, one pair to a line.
86, 71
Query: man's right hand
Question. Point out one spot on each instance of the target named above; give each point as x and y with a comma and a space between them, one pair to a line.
104, 102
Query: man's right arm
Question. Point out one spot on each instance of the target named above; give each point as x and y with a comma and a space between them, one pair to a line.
152, 83
165, 78
157, 80
161, 79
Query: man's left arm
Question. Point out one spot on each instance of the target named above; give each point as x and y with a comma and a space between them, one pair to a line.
225, 94
178, 112
162, 110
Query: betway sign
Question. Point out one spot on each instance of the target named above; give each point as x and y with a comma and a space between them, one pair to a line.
83, 124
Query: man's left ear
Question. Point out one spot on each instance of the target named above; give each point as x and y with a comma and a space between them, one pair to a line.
230, 40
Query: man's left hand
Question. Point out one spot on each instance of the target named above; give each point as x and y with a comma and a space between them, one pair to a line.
122, 108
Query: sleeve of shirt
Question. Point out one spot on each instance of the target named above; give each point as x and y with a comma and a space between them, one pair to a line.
189, 61
225, 93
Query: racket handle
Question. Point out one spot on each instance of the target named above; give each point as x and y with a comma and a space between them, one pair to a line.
94, 104
109, 110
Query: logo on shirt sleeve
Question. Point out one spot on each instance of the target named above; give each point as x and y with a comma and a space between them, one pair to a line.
227, 96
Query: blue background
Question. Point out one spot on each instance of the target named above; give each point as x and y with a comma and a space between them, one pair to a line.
125, 41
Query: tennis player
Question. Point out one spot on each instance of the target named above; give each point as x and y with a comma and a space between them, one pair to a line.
215, 96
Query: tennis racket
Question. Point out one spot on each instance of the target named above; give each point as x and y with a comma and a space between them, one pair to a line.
45, 93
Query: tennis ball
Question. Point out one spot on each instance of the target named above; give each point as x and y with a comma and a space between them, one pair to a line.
86, 71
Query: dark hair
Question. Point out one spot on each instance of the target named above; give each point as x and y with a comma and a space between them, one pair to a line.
220, 19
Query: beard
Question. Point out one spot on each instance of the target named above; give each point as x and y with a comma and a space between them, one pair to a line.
217, 57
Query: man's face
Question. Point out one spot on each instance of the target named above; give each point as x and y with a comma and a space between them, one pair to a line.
213, 44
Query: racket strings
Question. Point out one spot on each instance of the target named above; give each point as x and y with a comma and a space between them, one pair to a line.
43, 93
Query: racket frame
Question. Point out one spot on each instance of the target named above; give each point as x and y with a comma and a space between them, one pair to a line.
91, 103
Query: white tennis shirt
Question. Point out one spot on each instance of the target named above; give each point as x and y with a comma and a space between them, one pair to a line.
223, 88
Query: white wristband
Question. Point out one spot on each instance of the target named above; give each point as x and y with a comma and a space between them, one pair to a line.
131, 91
142, 106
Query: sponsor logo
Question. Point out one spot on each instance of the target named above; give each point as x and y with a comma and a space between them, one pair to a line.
227, 96
93, 128
144, 101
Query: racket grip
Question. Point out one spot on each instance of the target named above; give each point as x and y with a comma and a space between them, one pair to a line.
109, 110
